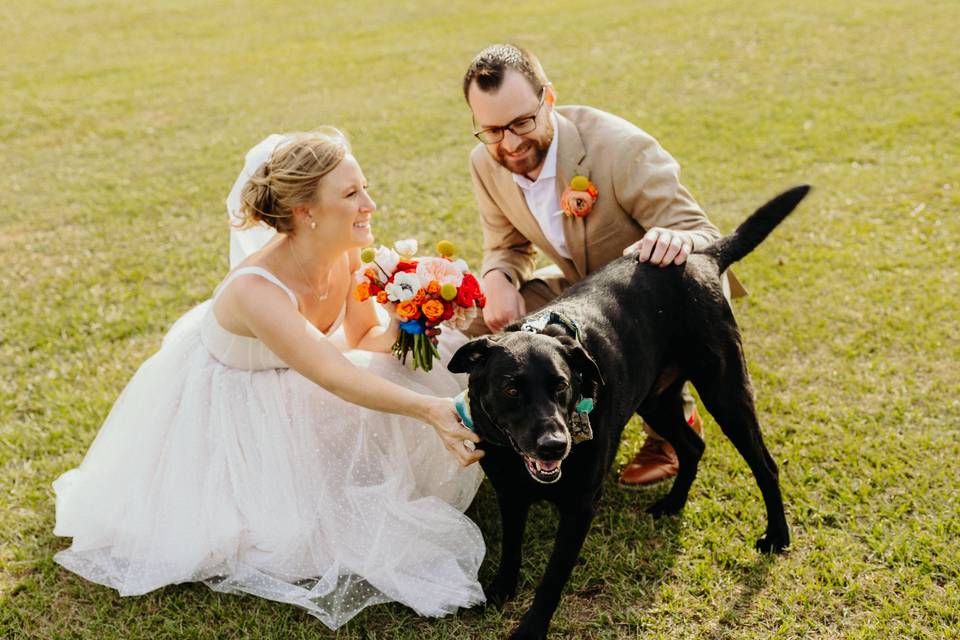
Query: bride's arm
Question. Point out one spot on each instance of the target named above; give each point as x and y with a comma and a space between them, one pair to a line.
269, 315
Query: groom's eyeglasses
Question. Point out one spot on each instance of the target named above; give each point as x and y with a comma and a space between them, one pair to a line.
519, 127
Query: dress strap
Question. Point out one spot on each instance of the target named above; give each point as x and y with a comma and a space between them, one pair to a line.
263, 273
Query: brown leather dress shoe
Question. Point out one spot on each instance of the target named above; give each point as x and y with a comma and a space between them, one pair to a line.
656, 459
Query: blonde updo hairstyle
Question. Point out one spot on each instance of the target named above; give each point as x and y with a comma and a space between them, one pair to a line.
290, 178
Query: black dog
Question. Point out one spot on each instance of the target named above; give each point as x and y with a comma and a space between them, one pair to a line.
625, 338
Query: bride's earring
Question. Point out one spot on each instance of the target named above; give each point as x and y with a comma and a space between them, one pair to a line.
313, 224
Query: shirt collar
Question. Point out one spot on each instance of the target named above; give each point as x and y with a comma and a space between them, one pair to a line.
549, 170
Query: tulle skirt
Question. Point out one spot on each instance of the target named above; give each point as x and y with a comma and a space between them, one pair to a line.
261, 482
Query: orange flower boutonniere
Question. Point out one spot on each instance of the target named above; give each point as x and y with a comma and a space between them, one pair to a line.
577, 199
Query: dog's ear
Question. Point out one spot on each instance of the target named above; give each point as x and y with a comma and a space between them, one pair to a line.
590, 376
470, 355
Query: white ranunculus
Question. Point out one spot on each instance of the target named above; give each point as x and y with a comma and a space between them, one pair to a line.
404, 286
396, 292
461, 264
406, 247
386, 259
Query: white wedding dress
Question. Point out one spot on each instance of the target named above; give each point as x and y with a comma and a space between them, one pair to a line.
220, 464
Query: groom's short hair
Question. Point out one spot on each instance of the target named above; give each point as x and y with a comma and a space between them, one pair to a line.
490, 66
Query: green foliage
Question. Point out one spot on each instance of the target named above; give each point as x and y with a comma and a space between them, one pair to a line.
124, 124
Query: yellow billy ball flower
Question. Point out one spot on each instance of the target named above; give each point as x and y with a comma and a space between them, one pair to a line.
579, 183
448, 291
368, 254
446, 248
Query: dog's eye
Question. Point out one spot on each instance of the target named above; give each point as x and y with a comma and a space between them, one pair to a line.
562, 386
513, 392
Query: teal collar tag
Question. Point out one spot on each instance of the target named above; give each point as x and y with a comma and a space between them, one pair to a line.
585, 405
580, 429
462, 403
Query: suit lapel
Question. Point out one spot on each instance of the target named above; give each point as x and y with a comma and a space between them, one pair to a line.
570, 163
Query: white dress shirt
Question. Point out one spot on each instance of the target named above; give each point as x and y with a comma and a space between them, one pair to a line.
542, 199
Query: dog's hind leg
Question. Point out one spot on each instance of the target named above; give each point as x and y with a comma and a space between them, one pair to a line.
726, 393
513, 520
665, 414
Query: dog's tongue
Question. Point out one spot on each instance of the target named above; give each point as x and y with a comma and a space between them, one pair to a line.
549, 466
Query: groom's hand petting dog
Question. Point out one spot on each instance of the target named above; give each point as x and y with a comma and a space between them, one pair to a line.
551, 396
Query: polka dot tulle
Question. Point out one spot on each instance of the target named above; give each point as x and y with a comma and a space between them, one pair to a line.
261, 482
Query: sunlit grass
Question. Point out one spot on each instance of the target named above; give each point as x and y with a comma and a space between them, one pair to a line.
123, 126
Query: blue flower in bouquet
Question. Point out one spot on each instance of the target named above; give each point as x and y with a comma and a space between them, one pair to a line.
414, 327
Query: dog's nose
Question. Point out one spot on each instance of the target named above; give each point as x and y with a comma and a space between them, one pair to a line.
551, 445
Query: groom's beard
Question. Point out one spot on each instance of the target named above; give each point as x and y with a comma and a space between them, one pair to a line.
525, 165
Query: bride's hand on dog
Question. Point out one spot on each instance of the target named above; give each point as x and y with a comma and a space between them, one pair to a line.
442, 416
662, 247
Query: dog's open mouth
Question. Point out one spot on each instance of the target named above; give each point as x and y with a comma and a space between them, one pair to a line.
543, 471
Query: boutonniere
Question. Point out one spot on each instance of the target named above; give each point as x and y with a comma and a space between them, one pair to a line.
577, 199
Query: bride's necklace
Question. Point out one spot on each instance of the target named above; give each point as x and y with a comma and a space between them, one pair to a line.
326, 289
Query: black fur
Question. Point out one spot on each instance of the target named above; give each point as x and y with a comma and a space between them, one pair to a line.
644, 331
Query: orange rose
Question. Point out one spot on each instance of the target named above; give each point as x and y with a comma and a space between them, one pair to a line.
382, 297
577, 203
433, 288
419, 297
577, 199
433, 309
371, 274
407, 310
362, 292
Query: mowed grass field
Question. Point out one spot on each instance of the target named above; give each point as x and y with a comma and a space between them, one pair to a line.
123, 126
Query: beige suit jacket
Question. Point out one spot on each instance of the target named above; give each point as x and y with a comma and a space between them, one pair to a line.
639, 188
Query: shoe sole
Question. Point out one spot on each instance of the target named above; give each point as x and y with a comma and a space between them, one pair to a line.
638, 487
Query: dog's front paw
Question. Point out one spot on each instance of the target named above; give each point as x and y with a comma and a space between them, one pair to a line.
665, 507
528, 632
533, 625
772, 543
499, 591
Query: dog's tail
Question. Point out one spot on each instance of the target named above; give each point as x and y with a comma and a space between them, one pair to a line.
755, 229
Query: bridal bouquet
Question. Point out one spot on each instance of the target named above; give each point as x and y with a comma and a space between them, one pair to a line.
426, 292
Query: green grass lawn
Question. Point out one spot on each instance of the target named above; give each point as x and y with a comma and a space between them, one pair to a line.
123, 126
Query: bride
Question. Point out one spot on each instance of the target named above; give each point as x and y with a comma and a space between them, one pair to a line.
251, 454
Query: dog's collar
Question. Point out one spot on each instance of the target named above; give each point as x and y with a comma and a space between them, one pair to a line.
462, 403
538, 323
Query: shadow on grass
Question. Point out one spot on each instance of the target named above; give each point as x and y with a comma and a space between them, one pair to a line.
752, 578
626, 557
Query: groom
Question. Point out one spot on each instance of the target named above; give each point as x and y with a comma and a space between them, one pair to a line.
523, 173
